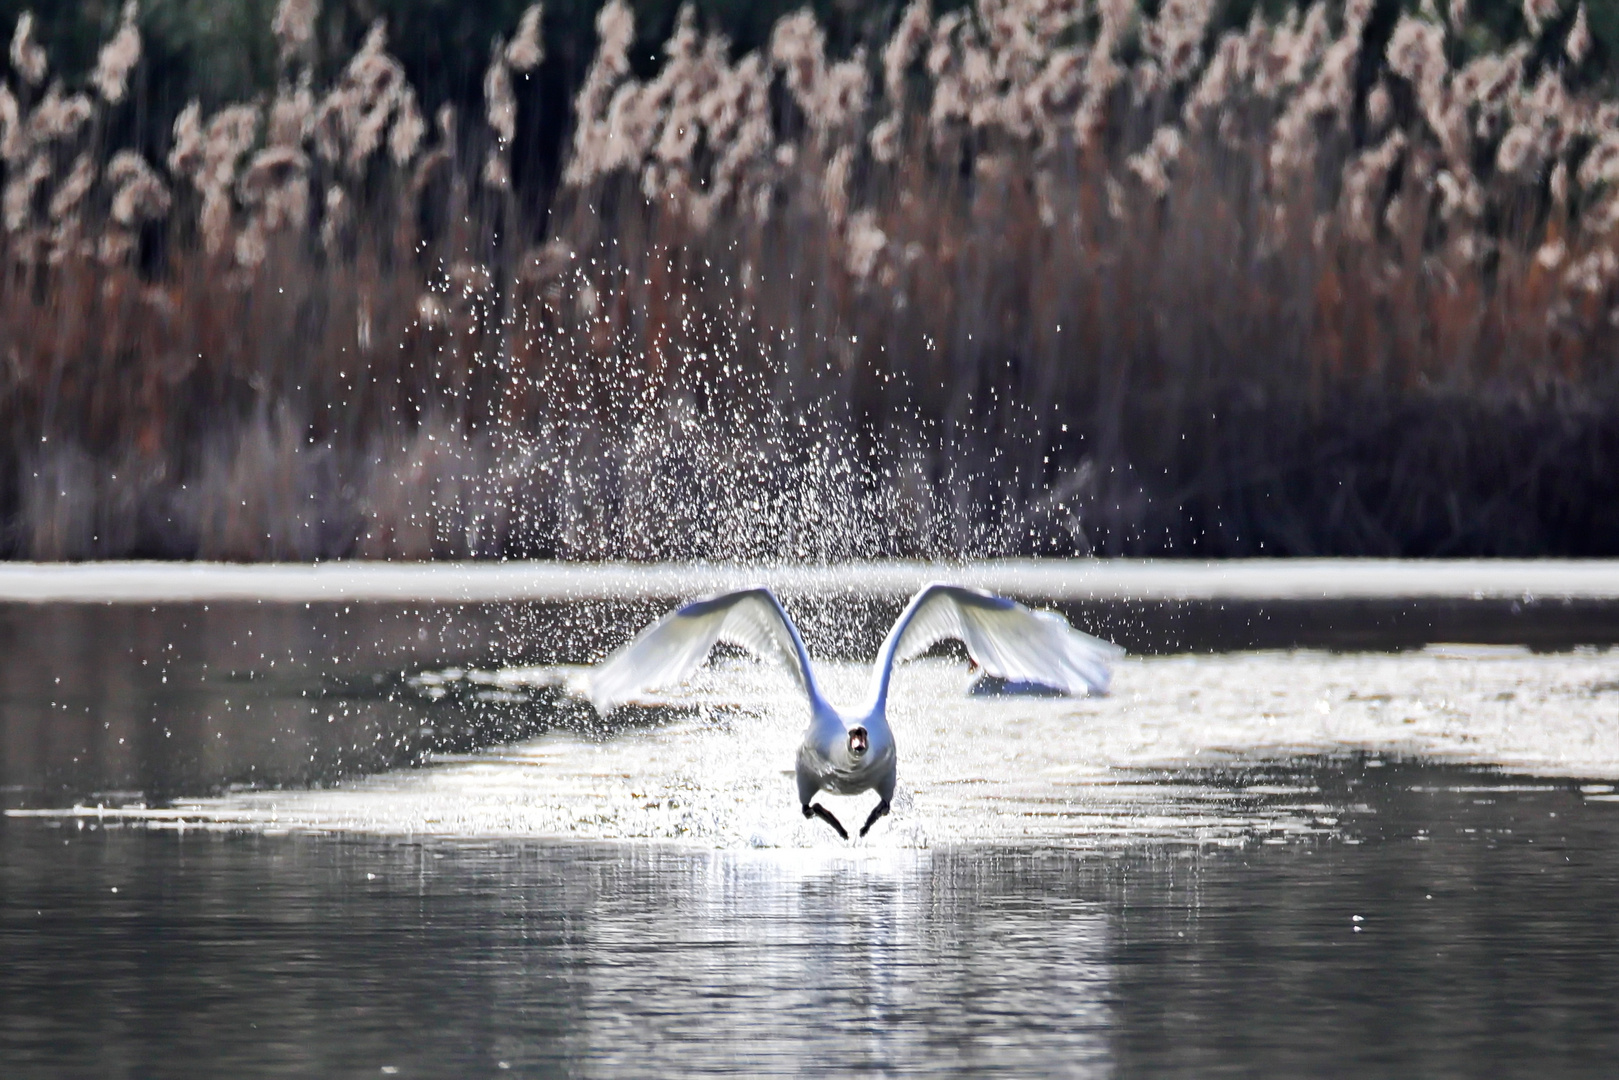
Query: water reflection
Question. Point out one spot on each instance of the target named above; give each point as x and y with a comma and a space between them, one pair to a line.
1487, 916
766, 964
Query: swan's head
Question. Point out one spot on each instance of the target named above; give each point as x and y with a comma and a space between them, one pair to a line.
859, 742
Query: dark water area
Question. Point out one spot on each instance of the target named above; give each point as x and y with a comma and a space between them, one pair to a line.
1458, 923
125, 701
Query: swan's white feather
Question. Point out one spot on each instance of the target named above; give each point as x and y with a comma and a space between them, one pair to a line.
676, 645
1008, 640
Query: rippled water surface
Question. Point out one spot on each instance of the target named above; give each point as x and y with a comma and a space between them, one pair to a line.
1246, 864
1453, 924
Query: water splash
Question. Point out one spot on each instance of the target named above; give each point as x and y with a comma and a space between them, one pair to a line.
1190, 750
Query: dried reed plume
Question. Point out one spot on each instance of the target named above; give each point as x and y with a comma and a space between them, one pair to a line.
27, 55
118, 57
500, 109
527, 48
141, 195
294, 26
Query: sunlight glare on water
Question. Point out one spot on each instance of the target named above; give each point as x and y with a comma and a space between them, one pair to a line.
1177, 754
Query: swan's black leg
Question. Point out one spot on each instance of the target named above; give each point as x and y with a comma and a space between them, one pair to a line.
825, 815
877, 811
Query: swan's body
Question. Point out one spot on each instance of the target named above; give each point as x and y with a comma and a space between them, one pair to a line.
847, 753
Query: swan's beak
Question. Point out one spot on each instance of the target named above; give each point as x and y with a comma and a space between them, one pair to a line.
859, 741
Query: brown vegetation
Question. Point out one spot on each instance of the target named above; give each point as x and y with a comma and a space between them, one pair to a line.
1035, 276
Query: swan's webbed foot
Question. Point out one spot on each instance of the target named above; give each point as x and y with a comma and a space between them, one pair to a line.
817, 810
877, 811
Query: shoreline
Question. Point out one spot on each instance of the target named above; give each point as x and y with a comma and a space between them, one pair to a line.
1053, 580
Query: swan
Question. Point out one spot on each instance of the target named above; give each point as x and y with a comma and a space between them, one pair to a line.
850, 752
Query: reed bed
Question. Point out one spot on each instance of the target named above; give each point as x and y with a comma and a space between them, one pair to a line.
1027, 277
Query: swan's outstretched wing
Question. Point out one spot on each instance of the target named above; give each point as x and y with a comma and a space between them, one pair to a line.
677, 644
1005, 638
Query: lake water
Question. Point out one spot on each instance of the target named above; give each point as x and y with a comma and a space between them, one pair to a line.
1267, 863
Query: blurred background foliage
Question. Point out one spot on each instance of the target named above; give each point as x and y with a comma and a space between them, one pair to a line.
1334, 313
222, 51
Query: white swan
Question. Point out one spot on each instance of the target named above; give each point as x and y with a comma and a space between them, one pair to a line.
848, 753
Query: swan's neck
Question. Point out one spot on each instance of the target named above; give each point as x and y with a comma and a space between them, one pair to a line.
812, 687
877, 700
883, 670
